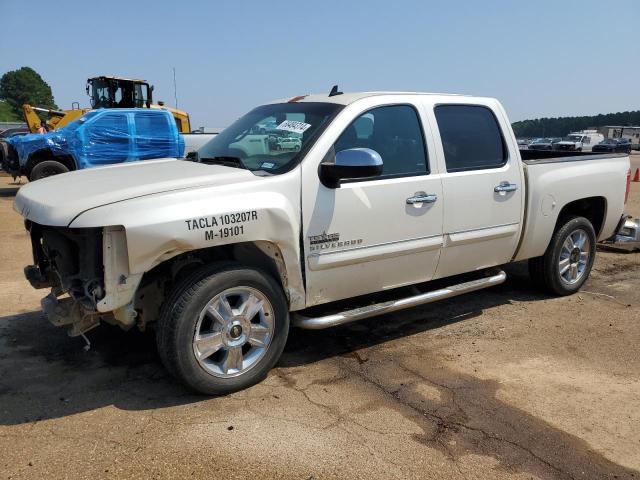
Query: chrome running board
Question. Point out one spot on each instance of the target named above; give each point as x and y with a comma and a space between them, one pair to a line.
318, 323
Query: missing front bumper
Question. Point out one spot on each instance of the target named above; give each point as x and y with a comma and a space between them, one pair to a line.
68, 311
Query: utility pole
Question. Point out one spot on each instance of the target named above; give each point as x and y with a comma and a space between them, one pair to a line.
175, 89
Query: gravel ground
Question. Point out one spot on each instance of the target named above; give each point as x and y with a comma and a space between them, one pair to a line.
502, 383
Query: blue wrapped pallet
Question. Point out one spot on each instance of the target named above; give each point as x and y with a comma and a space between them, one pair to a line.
100, 137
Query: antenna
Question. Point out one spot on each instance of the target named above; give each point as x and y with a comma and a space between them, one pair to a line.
175, 89
334, 91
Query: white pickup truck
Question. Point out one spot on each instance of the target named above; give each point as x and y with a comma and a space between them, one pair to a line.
387, 192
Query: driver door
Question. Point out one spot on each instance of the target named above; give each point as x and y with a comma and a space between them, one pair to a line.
369, 235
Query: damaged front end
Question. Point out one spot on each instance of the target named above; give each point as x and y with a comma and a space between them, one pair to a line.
69, 261
9, 161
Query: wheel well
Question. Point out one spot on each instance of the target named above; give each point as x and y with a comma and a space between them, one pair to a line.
157, 283
592, 208
46, 154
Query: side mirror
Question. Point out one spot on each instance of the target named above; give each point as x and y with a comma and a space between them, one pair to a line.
351, 163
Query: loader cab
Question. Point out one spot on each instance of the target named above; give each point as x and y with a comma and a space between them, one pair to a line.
115, 92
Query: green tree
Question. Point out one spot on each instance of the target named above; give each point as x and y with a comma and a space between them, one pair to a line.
6, 114
25, 85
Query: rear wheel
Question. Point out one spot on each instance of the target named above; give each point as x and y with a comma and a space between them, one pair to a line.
47, 168
223, 328
566, 264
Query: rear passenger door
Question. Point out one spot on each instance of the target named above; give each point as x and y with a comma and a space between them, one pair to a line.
482, 187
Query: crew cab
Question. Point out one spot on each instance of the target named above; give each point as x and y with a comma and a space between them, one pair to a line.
100, 137
388, 193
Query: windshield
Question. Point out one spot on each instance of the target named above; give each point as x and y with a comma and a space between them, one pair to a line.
73, 126
541, 140
572, 138
271, 137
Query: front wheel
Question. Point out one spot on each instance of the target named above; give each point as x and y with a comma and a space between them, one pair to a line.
566, 264
223, 328
47, 168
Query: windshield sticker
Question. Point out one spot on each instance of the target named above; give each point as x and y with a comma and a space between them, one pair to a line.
267, 165
293, 126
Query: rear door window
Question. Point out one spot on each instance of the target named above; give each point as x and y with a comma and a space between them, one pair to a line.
471, 137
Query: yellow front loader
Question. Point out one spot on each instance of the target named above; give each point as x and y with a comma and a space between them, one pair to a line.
54, 118
105, 92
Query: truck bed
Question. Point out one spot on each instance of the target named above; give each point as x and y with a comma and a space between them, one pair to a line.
554, 179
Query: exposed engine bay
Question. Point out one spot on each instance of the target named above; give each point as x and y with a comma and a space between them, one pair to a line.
69, 260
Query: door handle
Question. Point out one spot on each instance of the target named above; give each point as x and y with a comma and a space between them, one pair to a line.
426, 198
505, 187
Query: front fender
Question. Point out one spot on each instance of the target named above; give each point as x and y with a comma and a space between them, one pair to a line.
161, 226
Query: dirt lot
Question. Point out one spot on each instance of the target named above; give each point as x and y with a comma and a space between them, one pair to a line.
503, 383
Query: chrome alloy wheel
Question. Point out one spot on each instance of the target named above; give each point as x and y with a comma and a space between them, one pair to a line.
574, 256
233, 332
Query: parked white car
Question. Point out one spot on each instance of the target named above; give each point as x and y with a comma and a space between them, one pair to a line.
388, 191
289, 143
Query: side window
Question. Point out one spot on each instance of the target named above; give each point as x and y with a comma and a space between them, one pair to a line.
471, 137
395, 133
153, 137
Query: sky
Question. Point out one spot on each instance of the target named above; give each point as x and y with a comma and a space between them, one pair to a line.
542, 58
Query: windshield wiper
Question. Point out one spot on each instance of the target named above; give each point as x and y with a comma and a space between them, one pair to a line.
235, 162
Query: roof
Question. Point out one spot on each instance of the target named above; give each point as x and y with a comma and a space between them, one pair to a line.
621, 126
153, 111
347, 98
120, 78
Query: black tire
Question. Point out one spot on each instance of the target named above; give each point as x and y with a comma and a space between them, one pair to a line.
545, 270
45, 169
180, 315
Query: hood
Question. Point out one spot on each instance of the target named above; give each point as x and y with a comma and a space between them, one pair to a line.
59, 199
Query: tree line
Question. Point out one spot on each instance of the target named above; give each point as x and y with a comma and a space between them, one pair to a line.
559, 127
